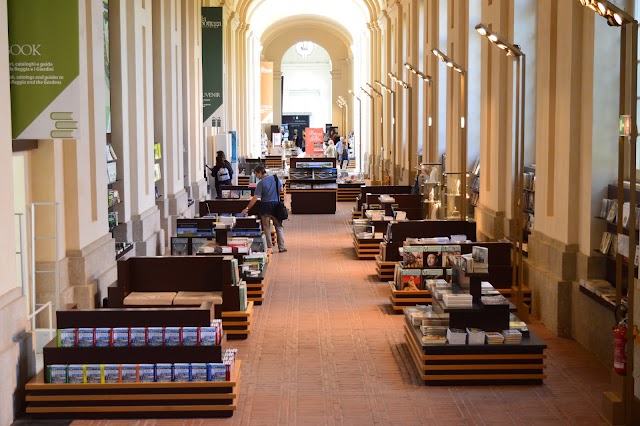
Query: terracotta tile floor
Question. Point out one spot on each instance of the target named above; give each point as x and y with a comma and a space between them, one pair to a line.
325, 349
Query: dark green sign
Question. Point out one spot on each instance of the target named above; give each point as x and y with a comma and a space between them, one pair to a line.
212, 70
44, 65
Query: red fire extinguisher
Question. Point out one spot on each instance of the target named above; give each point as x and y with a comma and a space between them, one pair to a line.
620, 348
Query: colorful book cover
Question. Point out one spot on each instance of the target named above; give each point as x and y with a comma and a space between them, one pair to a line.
432, 256
411, 279
413, 256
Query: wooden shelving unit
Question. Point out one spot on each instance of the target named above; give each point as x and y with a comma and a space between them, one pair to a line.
348, 191
313, 200
503, 364
403, 299
366, 249
126, 400
237, 324
385, 269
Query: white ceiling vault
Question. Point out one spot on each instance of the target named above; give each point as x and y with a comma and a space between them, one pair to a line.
351, 14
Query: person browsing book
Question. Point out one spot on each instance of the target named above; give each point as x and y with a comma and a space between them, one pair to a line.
221, 173
268, 192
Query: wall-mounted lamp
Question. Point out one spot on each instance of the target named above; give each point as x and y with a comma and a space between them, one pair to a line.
463, 131
427, 79
517, 207
615, 16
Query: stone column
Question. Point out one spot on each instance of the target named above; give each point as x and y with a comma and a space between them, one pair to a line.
430, 64
193, 139
168, 117
133, 130
16, 344
496, 123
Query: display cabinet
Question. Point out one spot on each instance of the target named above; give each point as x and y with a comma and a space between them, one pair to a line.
430, 182
313, 185
453, 196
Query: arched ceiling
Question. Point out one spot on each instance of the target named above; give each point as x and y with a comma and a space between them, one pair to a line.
260, 14
281, 35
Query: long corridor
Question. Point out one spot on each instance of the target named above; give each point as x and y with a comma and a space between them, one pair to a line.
325, 349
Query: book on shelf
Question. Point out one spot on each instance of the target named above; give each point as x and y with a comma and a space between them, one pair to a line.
156, 172
626, 211
413, 256
157, 151
179, 246
605, 243
606, 205
432, 256
410, 279
111, 154
613, 211
112, 174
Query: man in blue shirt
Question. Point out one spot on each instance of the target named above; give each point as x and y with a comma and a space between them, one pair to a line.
268, 192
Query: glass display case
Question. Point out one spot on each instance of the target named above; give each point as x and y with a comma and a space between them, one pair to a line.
350, 177
453, 196
430, 182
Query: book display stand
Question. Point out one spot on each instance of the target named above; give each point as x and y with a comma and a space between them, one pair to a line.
138, 399
376, 189
313, 187
475, 364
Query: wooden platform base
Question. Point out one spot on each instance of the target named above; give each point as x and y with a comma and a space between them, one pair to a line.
356, 215
402, 299
521, 364
237, 324
366, 249
385, 270
348, 194
132, 400
244, 180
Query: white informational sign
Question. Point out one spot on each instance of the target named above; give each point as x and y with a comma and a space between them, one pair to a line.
276, 138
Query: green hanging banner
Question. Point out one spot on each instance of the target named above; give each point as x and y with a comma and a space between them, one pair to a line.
44, 66
212, 70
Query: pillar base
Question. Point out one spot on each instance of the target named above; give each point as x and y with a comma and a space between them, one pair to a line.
549, 272
171, 208
490, 224
17, 351
198, 190
145, 232
91, 270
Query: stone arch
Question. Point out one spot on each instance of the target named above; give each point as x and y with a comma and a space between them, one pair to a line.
329, 34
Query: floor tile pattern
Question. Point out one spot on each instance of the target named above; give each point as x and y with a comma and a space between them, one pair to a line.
326, 350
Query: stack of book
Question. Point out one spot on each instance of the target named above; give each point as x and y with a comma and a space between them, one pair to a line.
494, 300
494, 338
512, 337
456, 336
457, 300
433, 329
434, 339
432, 319
476, 336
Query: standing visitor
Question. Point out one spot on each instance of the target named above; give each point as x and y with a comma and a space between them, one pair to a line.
330, 150
345, 154
340, 151
268, 192
221, 173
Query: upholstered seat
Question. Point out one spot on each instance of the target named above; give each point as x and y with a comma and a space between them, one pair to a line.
149, 298
197, 297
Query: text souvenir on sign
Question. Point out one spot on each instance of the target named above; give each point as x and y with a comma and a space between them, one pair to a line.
44, 66
212, 72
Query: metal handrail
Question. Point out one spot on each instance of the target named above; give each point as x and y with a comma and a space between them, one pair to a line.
32, 317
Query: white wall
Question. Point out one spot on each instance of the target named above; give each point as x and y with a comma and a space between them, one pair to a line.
307, 86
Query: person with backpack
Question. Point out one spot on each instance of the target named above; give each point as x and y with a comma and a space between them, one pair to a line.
221, 173
268, 192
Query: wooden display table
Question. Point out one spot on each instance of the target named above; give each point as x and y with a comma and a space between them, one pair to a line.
348, 191
385, 270
366, 248
521, 364
274, 162
237, 324
401, 299
257, 286
133, 400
